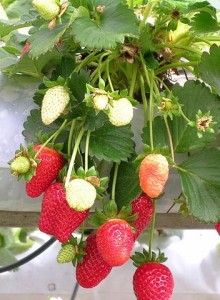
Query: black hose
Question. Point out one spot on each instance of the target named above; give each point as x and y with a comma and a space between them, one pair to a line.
28, 257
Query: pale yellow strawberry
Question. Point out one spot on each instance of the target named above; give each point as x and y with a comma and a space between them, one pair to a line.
54, 103
47, 9
80, 194
120, 112
100, 100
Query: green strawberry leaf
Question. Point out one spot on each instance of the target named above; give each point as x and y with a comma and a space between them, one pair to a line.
200, 176
107, 28
204, 22
6, 59
34, 125
7, 26
194, 95
44, 39
34, 67
127, 177
209, 67
77, 84
94, 121
112, 143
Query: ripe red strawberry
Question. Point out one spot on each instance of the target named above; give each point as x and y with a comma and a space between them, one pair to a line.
143, 206
217, 227
153, 174
115, 241
93, 269
153, 281
57, 218
51, 162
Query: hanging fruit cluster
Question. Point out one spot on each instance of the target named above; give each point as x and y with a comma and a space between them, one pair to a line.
102, 67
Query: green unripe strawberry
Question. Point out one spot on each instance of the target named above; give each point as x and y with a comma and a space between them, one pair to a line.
100, 101
54, 103
80, 194
66, 253
47, 9
120, 112
20, 165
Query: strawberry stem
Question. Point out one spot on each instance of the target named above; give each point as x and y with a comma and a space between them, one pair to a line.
87, 150
70, 139
114, 181
73, 157
108, 76
151, 108
52, 137
144, 99
133, 81
152, 228
170, 138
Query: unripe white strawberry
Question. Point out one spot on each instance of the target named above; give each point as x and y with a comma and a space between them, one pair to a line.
80, 194
54, 103
47, 9
100, 101
120, 112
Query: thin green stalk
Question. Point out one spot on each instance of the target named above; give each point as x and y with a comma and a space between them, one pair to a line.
176, 65
152, 228
70, 139
114, 181
184, 116
52, 137
170, 138
109, 77
144, 99
87, 150
100, 65
73, 157
151, 109
133, 81
85, 61
194, 50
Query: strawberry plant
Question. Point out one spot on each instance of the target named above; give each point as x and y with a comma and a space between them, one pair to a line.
128, 93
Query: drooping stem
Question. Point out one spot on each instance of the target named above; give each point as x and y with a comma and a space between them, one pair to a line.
133, 81
144, 99
152, 228
73, 157
114, 181
170, 138
52, 137
151, 108
87, 151
176, 65
70, 139
109, 77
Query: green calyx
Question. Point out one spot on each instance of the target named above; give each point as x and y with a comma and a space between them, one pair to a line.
146, 257
24, 163
110, 211
72, 251
91, 175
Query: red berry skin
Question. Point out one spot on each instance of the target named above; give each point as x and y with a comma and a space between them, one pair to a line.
46, 171
217, 227
93, 269
25, 48
143, 206
153, 174
153, 281
115, 241
57, 218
